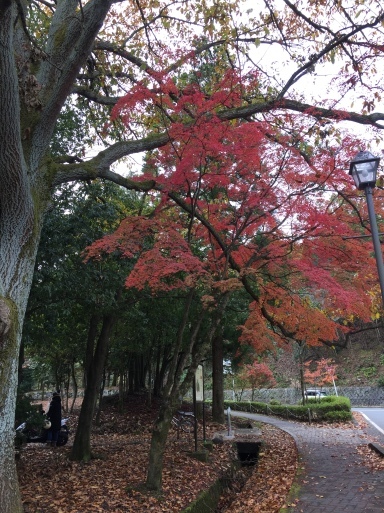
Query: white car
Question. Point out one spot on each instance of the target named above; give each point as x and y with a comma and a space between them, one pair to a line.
314, 394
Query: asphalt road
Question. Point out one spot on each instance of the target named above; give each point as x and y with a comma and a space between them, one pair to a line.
373, 415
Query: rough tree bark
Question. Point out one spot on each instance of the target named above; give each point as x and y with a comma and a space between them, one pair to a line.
29, 107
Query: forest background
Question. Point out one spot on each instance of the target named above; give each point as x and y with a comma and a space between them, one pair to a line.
239, 233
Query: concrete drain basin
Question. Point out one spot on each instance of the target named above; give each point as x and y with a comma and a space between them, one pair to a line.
248, 452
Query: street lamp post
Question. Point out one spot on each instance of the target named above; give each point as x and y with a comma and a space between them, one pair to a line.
363, 169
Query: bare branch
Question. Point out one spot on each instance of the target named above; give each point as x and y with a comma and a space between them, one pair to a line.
99, 166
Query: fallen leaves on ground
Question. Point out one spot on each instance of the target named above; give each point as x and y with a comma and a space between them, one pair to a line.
113, 482
369, 457
267, 487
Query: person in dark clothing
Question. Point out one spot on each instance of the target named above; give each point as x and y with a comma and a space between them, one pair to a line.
54, 415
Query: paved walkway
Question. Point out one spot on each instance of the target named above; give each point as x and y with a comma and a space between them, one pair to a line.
332, 477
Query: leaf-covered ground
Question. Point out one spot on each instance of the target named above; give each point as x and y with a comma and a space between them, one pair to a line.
266, 488
369, 457
112, 482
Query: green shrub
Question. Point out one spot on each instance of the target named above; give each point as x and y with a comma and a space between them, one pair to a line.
369, 372
334, 408
338, 416
327, 399
35, 419
380, 382
26, 411
29, 413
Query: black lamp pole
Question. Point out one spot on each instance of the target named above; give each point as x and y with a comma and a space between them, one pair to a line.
363, 169
375, 238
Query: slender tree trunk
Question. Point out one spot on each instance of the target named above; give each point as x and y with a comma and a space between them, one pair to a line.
90, 348
121, 392
158, 441
156, 379
100, 402
301, 364
162, 371
217, 379
149, 389
67, 383
177, 382
139, 374
81, 450
302, 382
171, 393
74, 385
131, 374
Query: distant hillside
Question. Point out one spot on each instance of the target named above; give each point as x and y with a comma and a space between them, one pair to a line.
360, 363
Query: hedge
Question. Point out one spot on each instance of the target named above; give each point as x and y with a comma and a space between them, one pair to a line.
330, 409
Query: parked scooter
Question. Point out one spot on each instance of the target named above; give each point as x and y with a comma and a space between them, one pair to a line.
35, 435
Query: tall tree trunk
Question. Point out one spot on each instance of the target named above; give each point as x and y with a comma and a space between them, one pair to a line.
9, 345
161, 371
121, 392
19, 235
30, 103
131, 374
74, 385
81, 450
90, 348
177, 382
171, 392
301, 347
100, 400
217, 379
156, 453
149, 389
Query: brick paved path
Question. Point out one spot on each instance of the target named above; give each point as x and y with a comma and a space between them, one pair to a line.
332, 478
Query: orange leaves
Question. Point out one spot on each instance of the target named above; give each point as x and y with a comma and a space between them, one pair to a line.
321, 372
259, 375
298, 317
255, 331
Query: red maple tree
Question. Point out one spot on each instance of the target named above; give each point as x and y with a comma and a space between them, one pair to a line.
320, 373
242, 203
258, 375
270, 207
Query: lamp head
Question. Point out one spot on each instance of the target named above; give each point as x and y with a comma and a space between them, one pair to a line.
363, 169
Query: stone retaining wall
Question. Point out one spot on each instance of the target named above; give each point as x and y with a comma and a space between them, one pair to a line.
46, 396
359, 396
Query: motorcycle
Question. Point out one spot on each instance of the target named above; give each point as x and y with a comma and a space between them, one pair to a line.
36, 435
